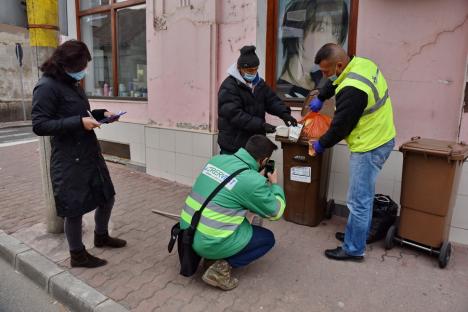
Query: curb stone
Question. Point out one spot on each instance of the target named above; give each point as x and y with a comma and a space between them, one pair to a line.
57, 282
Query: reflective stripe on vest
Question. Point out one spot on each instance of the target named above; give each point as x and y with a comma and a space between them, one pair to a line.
215, 221
279, 210
379, 102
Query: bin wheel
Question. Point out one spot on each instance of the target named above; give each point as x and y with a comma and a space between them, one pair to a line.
389, 239
330, 208
445, 253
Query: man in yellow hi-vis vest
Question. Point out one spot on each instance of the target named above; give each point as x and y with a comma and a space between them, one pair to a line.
364, 118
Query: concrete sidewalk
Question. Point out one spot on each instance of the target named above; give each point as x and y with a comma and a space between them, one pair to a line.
294, 276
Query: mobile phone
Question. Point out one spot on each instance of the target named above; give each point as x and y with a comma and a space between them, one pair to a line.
269, 167
112, 118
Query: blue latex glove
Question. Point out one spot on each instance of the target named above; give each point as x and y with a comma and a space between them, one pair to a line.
315, 105
319, 149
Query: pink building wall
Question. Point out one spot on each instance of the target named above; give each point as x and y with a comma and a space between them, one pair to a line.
237, 28
421, 47
137, 111
188, 57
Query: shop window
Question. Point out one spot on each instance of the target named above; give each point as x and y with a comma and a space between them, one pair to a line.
115, 33
296, 29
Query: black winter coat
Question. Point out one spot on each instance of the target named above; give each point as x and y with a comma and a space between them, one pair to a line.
241, 112
80, 178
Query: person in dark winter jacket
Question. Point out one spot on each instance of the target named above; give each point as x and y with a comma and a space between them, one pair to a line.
243, 100
80, 178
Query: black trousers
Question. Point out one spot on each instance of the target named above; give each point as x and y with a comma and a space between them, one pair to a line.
73, 226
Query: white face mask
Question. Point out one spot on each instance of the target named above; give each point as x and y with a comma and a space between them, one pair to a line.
78, 75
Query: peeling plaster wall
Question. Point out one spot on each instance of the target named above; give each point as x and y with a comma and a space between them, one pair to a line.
464, 117
179, 64
237, 27
421, 47
10, 87
188, 52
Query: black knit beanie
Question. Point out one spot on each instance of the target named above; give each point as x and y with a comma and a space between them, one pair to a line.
248, 58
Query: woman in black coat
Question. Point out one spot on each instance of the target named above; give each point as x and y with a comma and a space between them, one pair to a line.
80, 178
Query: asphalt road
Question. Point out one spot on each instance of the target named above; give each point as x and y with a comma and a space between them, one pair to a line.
18, 293
13, 135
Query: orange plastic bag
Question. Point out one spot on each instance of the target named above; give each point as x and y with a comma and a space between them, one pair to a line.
315, 125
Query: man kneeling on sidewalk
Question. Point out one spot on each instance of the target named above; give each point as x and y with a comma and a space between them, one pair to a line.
224, 234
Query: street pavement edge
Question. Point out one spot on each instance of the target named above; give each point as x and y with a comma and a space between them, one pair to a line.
56, 281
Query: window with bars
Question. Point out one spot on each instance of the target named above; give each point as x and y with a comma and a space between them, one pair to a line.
115, 33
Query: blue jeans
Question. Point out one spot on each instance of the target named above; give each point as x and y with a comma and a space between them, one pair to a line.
261, 242
363, 171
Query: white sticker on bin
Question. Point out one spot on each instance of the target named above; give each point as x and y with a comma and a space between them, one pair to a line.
301, 174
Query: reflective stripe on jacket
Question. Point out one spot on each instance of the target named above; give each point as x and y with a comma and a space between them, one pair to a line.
223, 229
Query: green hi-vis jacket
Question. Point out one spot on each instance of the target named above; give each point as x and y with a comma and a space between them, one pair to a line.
223, 229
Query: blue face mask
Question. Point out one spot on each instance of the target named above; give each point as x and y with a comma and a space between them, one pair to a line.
249, 77
333, 77
78, 75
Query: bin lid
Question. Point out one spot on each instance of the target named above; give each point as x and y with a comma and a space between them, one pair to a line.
449, 149
285, 140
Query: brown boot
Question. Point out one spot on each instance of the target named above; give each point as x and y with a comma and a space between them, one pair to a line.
104, 240
83, 259
219, 275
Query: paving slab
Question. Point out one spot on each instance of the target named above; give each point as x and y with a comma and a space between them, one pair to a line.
294, 276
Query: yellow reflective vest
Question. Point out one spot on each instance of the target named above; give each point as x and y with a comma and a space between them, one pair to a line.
375, 127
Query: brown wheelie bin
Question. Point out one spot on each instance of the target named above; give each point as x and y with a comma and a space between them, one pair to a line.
305, 183
431, 173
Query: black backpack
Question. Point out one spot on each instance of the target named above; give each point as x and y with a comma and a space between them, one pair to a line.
384, 214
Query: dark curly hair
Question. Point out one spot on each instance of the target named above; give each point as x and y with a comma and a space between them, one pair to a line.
70, 56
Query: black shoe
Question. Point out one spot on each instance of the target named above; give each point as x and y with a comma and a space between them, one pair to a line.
82, 259
340, 236
339, 254
104, 240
